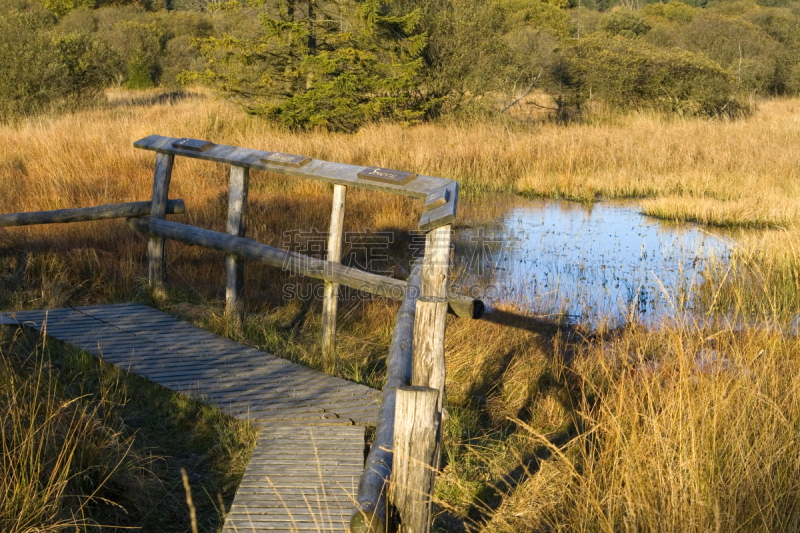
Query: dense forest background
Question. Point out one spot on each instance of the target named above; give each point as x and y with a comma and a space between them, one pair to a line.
339, 64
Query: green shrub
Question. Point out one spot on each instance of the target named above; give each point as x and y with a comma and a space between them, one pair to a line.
466, 55
26, 71
632, 74
672, 11
624, 22
86, 64
81, 20
140, 38
41, 69
338, 75
550, 16
158, 44
758, 62
62, 7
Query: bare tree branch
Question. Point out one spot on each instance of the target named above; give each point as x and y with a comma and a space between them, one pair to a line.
535, 81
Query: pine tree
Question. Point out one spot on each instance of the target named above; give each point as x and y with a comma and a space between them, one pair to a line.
316, 66
139, 72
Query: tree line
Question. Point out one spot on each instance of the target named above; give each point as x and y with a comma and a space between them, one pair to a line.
339, 64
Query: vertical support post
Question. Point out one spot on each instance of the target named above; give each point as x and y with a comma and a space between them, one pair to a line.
330, 301
429, 335
436, 263
157, 261
429, 320
237, 226
428, 364
416, 426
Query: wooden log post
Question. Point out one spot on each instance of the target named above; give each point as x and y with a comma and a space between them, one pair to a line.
416, 426
370, 513
429, 335
157, 261
331, 300
429, 324
436, 262
236, 226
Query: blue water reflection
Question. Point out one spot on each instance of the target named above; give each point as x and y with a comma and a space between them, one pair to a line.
605, 262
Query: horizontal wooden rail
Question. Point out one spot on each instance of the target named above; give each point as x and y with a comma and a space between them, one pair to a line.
440, 194
312, 267
82, 214
370, 514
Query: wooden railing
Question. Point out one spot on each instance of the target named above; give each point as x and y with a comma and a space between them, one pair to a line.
404, 457
312, 267
416, 356
405, 453
84, 214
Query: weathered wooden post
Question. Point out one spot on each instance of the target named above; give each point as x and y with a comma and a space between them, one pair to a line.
330, 302
436, 262
429, 335
429, 322
416, 429
428, 364
237, 226
157, 267
370, 515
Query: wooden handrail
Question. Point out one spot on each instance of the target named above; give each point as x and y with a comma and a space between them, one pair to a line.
370, 514
394, 289
82, 214
440, 194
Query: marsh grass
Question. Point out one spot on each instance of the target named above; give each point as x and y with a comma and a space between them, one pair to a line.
89, 447
688, 426
758, 284
682, 431
756, 212
60, 456
86, 157
551, 427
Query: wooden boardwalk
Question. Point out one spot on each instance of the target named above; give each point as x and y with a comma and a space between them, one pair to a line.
304, 471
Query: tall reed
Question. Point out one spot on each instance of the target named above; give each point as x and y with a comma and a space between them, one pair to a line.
63, 459
680, 431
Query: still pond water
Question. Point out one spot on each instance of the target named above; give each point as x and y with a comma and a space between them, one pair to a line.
600, 263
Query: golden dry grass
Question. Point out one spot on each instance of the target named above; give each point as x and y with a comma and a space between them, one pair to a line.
750, 166
43, 438
87, 447
758, 283
756, 211
680, 433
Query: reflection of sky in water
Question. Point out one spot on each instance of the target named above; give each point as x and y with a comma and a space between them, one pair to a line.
605, 260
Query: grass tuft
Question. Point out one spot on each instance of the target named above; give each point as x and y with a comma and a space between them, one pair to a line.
87, 446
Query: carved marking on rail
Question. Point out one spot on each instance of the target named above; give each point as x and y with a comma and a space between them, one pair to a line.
436, 199
286, 160
194, 145
385, 175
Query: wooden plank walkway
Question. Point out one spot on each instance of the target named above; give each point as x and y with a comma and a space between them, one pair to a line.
304, 471
300, 479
